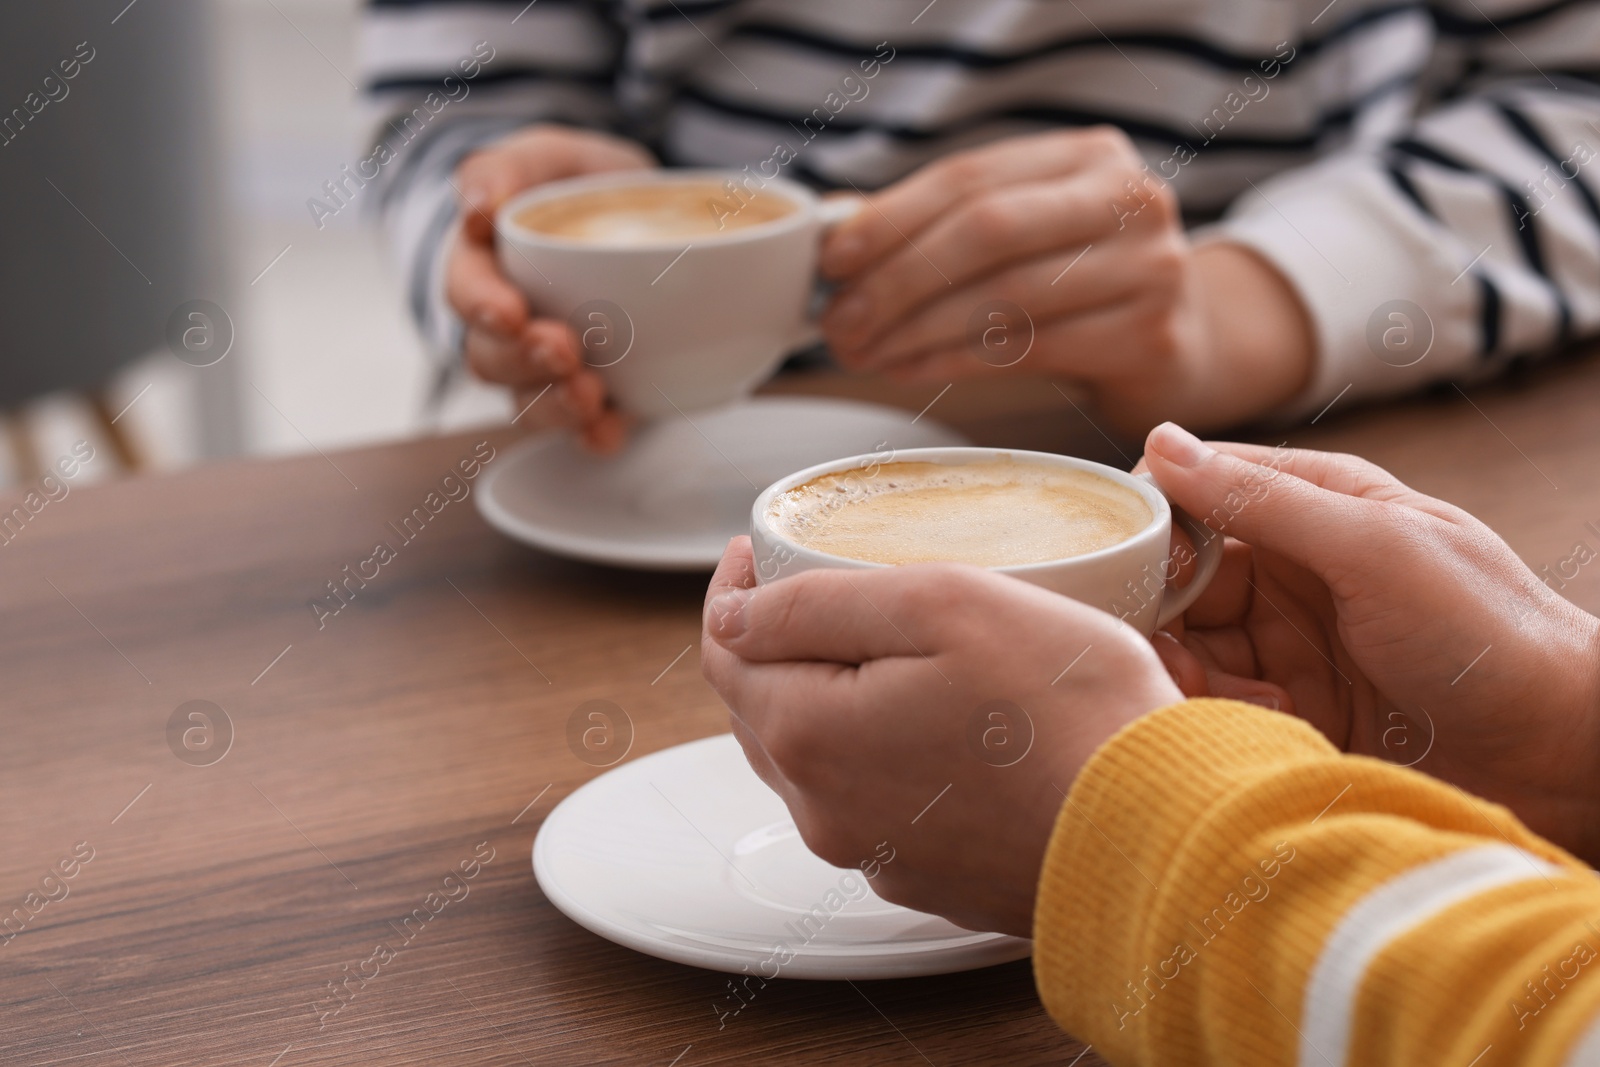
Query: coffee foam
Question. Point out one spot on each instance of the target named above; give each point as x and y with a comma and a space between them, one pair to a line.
993, 513
632, 214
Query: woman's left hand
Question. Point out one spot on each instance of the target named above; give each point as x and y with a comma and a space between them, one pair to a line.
1063, 255
940, 708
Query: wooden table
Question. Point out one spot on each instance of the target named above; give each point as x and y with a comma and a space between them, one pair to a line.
425, 724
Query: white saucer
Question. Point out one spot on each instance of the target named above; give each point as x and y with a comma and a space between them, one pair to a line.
685, 854
683, 486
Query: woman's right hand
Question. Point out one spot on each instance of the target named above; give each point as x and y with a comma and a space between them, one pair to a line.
504, 343
1395, 623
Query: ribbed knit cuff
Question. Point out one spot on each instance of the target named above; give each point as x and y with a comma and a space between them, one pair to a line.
1129, 811
1153, 939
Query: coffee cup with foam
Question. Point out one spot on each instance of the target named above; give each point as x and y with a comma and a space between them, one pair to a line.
685, 288
1088, 531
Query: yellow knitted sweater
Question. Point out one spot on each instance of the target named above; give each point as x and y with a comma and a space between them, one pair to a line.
1225, 887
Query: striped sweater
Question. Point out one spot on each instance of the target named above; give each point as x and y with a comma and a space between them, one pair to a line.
1424, 174
1224, 887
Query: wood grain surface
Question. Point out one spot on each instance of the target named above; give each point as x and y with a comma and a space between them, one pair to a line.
230, 911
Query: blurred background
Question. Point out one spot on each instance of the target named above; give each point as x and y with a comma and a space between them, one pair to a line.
258, 98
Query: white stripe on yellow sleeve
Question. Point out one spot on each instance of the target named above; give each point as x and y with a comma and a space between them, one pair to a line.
1586, 1053
1384, 914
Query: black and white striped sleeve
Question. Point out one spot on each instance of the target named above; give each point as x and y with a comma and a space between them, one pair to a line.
1485, 213
443, 77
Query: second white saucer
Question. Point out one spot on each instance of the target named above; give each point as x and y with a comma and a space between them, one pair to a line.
682, 487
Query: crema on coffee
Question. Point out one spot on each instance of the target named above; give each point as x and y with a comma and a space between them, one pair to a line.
994, 513
651, 211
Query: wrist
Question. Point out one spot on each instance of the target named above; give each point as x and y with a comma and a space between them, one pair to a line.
1584, 711
1546, 767
1246, 348
1261, 347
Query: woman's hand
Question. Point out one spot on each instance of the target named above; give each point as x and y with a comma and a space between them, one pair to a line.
927, 706
504, 344
1398, 625
1071, 227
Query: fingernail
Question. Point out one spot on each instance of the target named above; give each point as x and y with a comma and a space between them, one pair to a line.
475, 197
1177, 445
850, 312
1164, 635
488, 320
539, 356
725, 614
841, 254
1264, 700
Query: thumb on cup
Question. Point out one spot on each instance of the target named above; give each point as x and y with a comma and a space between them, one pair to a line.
1262, 503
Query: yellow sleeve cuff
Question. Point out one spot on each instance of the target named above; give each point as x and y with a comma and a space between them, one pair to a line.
1128, 812
1173, 824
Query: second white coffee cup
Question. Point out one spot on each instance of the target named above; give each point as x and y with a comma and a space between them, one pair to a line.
673, 325
1128, 579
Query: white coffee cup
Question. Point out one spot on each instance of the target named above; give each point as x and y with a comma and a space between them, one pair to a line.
673, 325
1128, 579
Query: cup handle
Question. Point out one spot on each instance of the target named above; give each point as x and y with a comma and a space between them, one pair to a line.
830, 213
1208, 545
837, 209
